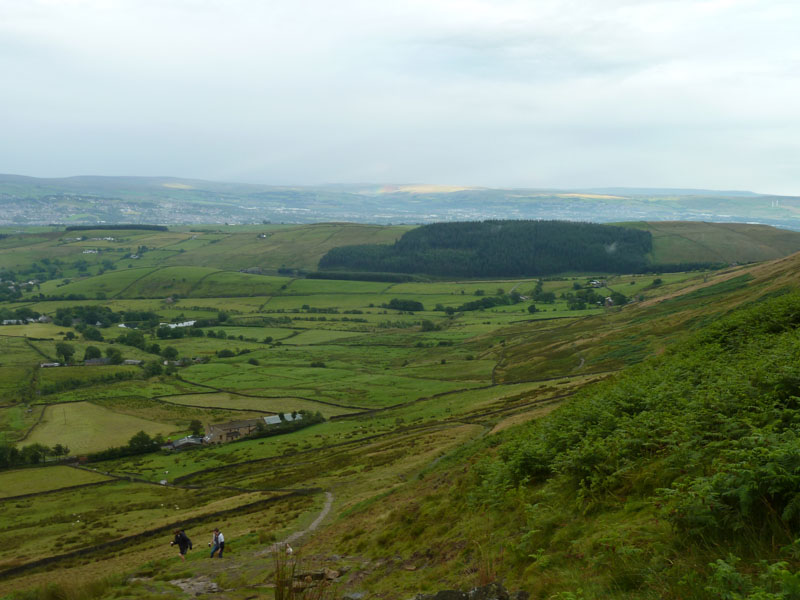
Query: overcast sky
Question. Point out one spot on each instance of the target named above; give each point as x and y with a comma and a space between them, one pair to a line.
539, 93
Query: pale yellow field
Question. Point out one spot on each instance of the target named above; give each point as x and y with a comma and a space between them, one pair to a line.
432, 188
86, 427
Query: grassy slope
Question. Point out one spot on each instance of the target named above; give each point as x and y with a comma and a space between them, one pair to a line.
301, 247
693, 241
613, 544
292, 246
86, 427
421, 515
29, 481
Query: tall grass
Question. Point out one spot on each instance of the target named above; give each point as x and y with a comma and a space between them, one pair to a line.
85, 590
292, 583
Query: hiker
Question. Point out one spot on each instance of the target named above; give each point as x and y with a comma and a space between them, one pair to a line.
182, 541
218, 541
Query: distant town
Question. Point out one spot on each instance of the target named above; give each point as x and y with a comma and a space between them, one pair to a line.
81, 201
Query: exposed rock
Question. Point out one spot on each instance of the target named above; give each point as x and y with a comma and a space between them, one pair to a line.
443, 595
196, 586
328, 574
493, 591
354, 596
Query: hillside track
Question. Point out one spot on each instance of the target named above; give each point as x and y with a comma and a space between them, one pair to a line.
242, 394
165, 530
469, 419
150, 271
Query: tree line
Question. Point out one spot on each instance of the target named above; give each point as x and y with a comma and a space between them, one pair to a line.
32, 454
133, 226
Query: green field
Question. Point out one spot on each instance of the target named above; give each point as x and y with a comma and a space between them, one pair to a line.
86, 427
31, 481
418, 407
262, 404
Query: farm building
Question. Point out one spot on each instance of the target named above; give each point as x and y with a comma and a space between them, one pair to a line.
287, 417
233, 430
189, 441
97, 361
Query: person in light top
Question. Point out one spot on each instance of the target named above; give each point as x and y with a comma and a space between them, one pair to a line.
218, 543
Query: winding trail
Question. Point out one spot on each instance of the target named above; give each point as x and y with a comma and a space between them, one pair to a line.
292, 538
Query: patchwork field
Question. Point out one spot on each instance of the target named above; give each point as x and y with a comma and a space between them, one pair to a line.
401, 390
85, 427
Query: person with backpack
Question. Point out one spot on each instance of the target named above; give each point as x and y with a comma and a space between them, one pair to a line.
183, 542
218, 541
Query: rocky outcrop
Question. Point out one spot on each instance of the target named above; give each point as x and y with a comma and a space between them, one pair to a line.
493, 591
196, 586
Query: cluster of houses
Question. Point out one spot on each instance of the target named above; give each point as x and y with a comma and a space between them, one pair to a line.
41, 319
93, 362
219, 433
14, 286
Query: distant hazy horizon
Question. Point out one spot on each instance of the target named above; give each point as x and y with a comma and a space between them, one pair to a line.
434, 186
549, 94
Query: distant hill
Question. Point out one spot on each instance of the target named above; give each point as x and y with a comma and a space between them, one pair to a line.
115, 261
649, 192
690, 241
500, 249
172, 200
535, 248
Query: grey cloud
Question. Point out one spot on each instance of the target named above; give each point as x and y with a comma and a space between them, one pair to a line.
485, 92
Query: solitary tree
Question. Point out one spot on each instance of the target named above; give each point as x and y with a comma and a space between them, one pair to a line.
92, 352
92, 334
65, 351
152, 368
114, 355
196, 427
141, 442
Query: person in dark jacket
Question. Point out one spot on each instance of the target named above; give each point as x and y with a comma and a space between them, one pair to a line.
182, 541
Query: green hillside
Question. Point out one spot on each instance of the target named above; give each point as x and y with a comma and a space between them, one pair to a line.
541, 248
675, 479
500, 249
473, 430
692, 241
65, 263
